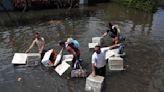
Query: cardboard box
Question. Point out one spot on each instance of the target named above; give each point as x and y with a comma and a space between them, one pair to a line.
92, 45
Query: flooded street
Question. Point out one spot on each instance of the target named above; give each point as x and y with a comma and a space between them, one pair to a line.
144, 48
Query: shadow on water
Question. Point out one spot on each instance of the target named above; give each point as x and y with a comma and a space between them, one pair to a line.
144, 48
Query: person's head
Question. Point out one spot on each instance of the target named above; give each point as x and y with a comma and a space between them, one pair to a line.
37, 35
62, 43
97, 49
69, 40
110, 25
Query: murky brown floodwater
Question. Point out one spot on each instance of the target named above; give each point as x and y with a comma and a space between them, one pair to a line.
144, 48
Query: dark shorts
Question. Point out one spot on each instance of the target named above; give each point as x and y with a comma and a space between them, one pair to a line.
42, 54
101, 71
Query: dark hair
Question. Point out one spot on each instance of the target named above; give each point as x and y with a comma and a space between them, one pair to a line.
97, 46
61, 43
110, 25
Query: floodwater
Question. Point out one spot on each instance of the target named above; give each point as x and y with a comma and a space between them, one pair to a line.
144, 48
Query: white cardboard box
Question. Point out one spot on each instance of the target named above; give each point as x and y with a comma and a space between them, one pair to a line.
112, 52
60, 69
94, 83
115, 63
68, 58
19, 58
92, 45
96, 40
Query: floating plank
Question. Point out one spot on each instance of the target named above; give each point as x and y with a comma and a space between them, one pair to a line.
92, 45
60, 69
19, 58
94, 83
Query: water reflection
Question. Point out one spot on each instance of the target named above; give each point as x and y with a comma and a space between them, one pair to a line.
144, 50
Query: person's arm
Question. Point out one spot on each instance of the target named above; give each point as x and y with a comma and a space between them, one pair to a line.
114, 46
93, 70
105, 33
31, 46
61, 51
70, 50
93, 66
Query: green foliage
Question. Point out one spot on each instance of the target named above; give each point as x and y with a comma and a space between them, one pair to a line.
145, 5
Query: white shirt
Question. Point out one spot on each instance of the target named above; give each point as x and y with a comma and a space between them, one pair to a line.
99, 59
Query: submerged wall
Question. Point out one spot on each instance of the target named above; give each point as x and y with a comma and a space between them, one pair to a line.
161, 2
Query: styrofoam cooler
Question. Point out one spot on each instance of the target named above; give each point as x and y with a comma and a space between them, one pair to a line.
94, 83
60, 69
92, 45
33, 59
115, 63
112, 52
45, 61
96, 40
19, 58
68, 58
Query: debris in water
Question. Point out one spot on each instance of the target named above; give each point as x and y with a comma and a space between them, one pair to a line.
19, 79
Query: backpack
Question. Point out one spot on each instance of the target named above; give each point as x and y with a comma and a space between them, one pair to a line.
75, 43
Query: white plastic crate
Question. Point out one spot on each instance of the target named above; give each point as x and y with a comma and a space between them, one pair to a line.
115, 63
94, 83
19, 58
96, 40
92, 45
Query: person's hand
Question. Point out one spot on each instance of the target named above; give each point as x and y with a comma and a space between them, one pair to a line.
26, 51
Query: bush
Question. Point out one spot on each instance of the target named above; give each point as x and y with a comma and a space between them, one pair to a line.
145, 5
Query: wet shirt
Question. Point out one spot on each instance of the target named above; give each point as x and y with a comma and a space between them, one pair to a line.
99, 59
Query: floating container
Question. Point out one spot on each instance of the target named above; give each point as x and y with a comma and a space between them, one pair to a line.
96, 40
19, 58
92, 45
60, 69
94, 84
115, 63
46, 61
67, 58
